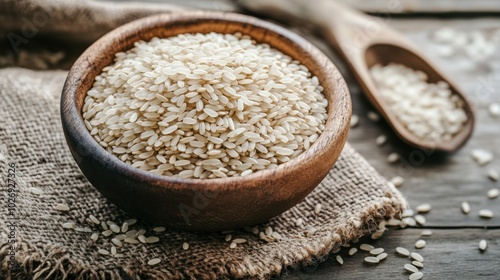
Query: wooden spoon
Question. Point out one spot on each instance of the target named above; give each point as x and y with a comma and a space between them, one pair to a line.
364, 41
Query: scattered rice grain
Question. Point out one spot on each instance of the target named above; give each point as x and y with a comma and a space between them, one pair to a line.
114, 228
35, 190
159, 229
94, 220
493, 193
366, 247
317, 208
69, 225
353, 251
377, 251
152, 239
410, 267
372, 260
417, 257
103, 252
402, 251
420, 219
420, 244
465, 207
354, 121
393, 157
417, 264
339, 259
486, 214
493, 175
398, 181
426, 232
154, 261
416, 276
423, 208
381, 140
483, 244
382, 256
373, 116
62, 207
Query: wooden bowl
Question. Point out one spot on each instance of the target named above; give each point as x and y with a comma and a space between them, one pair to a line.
204, 204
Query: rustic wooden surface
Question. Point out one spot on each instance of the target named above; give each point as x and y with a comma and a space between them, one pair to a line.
425, 6
443, 181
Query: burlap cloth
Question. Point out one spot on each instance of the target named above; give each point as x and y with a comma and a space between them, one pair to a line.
354, 196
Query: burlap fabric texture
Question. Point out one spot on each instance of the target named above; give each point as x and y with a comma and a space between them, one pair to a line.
354, 196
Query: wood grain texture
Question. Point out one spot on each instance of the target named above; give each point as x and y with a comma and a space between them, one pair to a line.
425, 6
449, 254
212, 204
444, 181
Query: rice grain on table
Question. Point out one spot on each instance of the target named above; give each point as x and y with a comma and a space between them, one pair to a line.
465, 207
410, 267
403, 251
353, 251
417, 257
205, 106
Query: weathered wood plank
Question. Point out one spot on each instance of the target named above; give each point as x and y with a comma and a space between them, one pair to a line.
425, 6
449, 254
221, 5
441, 180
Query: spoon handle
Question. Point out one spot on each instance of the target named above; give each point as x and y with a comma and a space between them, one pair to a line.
348, 30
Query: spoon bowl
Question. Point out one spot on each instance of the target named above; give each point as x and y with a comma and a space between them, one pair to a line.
385, 54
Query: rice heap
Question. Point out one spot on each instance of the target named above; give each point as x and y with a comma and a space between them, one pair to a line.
205, 106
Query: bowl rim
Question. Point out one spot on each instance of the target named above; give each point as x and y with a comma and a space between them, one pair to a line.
73, 121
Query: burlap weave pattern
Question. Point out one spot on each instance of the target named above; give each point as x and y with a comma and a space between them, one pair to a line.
354, 197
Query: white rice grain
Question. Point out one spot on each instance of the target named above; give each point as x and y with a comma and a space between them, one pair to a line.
339, 260
486, 214
410, 267
483, 244
423, 208
417, 257
416, 276
154, 261
420, 244
366, 247
61, 207
372, 260
493, 193
402, 251
465, 207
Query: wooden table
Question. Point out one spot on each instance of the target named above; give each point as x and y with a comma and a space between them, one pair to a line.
443, 181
